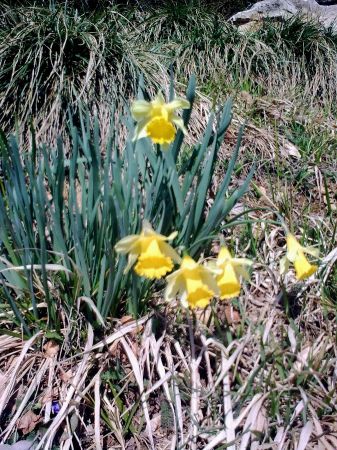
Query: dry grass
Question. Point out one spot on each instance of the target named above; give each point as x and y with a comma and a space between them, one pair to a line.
261, 371
53, 60
258, 379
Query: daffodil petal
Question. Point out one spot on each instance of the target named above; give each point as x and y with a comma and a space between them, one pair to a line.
126, 244
211, 282
284, 265
189, 264
172, 236
313, 251
149, 231
179, 123
293, 246
159, 100
140, 130
173, 287
223, 256
242, 272
183, 300
213, 267
170, 252
147, 228
241, 262
178, 103
140, 109
131, 261
173, 275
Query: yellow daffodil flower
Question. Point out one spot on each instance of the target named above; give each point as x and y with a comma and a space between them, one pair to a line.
154, 258
231, 269
158, 120
194, 284
296, 255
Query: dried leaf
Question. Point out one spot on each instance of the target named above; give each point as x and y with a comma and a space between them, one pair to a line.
232, 315
126, 319
51, 349
73, 423
302, 359
292, 339
289, 149
28, 422
49, 395
22, 445
66, 376
305, 436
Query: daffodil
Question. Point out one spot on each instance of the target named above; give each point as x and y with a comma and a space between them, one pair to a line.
193, 283
153, 256
231, 270
296, 255
158, 120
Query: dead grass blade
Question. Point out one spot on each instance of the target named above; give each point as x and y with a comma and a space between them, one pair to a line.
138, 373
12, 374
97, 414
305, 436
76, 384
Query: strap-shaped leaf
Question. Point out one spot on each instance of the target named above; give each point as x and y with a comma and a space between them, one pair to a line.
226, 207
204, 185
220, 196
197, 157
190, 95
174, 181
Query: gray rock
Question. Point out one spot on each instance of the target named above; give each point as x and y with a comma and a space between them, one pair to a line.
280, 9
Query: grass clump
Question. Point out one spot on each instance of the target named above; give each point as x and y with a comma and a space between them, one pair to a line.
53, 58
289, 56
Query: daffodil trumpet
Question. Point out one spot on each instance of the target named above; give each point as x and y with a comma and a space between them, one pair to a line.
193, 283
296, 255
229, 272
158, 120
149, 253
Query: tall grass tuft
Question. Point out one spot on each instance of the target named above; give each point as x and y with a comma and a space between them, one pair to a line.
55, 57
292, 55
59, 56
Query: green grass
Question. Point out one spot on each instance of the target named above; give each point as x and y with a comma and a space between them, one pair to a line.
53, 59
56, 57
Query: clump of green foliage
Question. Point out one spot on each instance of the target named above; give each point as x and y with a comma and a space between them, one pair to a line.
63, 215
56, 57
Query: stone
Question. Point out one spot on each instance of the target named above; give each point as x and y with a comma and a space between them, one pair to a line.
282, 9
